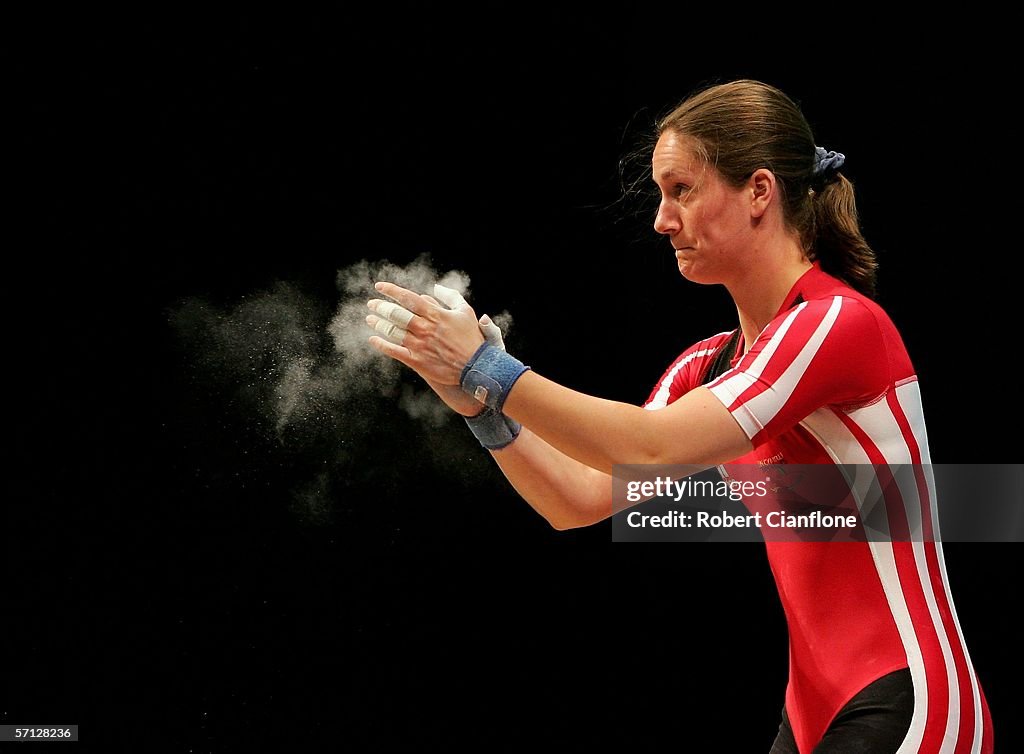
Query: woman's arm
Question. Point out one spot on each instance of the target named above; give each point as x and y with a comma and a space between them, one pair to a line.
567, 493
696, 430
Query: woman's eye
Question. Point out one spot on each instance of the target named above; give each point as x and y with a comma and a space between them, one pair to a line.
679, 189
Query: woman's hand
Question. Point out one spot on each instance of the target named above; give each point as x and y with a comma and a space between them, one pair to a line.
457, 399
435, 341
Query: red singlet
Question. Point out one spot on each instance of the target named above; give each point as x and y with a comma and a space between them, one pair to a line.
829, 381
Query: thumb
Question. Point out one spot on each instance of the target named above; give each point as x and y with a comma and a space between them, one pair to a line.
492, 333
450, 297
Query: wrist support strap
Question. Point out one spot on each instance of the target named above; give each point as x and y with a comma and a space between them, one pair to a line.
490, 374
493, 429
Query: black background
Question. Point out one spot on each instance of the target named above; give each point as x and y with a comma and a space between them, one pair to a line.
163, 582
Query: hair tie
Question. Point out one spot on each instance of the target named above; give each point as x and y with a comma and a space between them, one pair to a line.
826, 162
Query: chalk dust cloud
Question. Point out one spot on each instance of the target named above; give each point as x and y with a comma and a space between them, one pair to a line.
302, 369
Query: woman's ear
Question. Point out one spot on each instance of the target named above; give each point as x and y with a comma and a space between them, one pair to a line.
762, 191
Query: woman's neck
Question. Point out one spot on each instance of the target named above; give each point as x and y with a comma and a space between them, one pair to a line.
760, 293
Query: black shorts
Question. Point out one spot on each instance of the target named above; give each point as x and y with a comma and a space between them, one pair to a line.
876, 720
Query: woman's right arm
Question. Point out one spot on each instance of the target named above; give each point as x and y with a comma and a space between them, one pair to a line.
567, 493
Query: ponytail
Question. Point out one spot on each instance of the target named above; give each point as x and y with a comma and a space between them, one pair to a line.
837, 241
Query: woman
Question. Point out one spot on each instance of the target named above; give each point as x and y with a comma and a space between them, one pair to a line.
815, 373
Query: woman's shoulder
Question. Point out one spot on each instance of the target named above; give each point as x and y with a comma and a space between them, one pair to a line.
840, 324
819, 295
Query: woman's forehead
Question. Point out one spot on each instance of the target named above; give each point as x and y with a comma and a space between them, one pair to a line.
675, 154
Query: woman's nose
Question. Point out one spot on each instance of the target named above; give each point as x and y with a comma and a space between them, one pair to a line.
667, 220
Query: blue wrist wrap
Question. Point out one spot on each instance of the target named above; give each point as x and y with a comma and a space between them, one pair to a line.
490, 374
493, 429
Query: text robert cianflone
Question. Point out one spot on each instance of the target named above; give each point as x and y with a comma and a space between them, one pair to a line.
666, 486
771, 520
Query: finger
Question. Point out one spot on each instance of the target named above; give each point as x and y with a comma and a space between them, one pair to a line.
431, 299
492, 332
396, 352
389, 330
450, 297
408, 299
391, 312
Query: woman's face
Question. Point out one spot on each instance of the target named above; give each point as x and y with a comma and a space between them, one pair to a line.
707, 221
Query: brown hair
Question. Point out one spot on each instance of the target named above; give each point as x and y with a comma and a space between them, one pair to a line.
744, 125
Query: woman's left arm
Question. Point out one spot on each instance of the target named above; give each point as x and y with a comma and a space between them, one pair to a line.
694, 430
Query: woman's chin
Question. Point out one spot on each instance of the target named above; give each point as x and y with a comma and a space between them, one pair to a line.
693, 273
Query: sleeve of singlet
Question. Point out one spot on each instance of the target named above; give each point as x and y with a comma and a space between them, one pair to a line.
685, 372
826, 352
